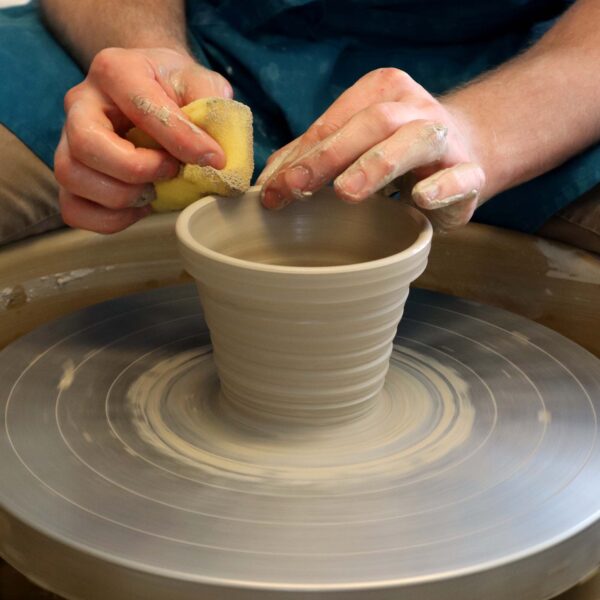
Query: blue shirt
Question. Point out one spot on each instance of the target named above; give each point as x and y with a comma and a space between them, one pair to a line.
289, 59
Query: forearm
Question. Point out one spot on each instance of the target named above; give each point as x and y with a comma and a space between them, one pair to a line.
538, 110
87, 26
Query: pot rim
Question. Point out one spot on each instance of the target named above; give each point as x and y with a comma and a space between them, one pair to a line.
185, 237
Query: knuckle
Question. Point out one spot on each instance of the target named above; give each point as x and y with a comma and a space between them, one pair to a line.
325, 129
71, 97
105, 63
393, 77
80, 144
383, 117
319, 130
378, 162
136, 172
386, 165
328, 156
62, 168
435, 134
426, 104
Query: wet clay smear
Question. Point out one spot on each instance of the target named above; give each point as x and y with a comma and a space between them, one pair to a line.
419, 419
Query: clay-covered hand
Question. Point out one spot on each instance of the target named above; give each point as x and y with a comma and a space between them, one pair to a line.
385, 129
105, 181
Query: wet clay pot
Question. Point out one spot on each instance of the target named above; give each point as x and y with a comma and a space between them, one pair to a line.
303, 303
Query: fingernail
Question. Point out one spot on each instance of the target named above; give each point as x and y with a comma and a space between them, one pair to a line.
297, 179
272, 199
227, 92
145, 198
448, 200
166, 172
353, 182
429, 192
434, 203
301, 195
206, 160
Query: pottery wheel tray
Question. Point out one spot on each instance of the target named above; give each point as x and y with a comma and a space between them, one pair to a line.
123, 475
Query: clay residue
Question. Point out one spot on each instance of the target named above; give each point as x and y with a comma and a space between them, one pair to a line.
564, 263
40, 288
67, 277
162, 113
177, 80
517, 335
13, 297
301, 194
544, 417
428, 146
423, 415
67, 377
194, 128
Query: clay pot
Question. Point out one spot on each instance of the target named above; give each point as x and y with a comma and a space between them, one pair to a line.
303, 303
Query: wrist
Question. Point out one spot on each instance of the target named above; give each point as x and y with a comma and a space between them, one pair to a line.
482, 150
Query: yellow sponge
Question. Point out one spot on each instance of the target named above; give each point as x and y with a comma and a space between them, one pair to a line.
230, 124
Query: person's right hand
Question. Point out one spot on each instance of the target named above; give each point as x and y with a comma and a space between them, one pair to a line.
105, 182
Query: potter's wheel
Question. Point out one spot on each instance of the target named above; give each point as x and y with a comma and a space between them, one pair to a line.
123, 476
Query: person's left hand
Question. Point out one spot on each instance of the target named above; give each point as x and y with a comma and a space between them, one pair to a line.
383, 128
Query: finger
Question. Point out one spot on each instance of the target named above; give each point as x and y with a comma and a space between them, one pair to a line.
109, 115
450, 196
138, 94
93, 142
295, 149
452, 216
379, 86
276, 160
82, 181
196, 82
327, 159
83, 214
460, 183
413, 145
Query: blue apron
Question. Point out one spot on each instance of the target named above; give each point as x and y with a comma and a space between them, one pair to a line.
289, 59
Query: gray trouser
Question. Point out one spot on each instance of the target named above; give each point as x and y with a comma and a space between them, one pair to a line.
28, 192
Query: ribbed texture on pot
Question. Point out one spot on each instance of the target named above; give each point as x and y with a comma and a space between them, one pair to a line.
309, 345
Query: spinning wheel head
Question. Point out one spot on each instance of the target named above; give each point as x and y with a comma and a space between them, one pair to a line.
117, 455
